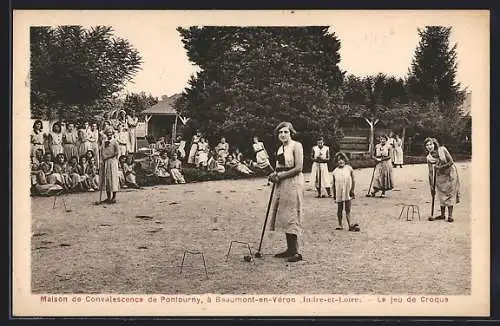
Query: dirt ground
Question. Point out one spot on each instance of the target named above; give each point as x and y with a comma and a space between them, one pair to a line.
109, 249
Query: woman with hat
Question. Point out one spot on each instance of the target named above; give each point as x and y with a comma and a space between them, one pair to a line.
319, 170
447, 183
287, 202
383, 170
109, 170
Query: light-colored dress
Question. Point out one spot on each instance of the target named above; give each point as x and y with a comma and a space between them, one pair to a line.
202, 154
83, 142
447, 180
93, 138
261, 156
55, 140
162, 167
214, 165
175, 171
287, 209
343, 183
70, 139
37, 142
222, 150
193, 149
391, 142
132, 125
122, 139
383, 170
108, 173
398, 151
181, 149
320, 168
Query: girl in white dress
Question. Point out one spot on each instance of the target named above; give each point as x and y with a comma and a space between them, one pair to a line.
343, 190
55, 139
320, 175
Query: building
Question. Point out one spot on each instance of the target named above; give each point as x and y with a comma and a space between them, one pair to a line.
161, 119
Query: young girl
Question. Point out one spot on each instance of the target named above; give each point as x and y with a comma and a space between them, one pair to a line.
37, 137
382, 180
61, 168
84, 172
215, 164
55, 139
176, 170
343, 190
122, 139
161, 169
128, 167
74, 173
93, 172
121, 173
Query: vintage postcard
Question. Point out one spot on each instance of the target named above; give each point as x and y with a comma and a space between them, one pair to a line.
251, 163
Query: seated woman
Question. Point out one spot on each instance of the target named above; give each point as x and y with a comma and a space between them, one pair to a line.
36, 160
162, 167
121, 174
93, 172
233, 163
201, 158
176, 169
214, 163
73, 170
128, 167
45, 182
59, 172
83, 171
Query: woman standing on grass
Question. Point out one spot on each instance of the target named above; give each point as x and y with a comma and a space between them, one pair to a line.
55, 139
37, 137
398, 151
382, 180
447, 183
109, 169
287, 202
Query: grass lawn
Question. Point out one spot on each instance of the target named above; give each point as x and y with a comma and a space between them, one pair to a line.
108, 249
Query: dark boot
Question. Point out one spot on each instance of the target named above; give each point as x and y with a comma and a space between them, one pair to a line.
295, 256
287, 252
329, 192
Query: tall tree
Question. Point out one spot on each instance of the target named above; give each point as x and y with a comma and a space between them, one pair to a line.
73, 66
432, 76
253, 77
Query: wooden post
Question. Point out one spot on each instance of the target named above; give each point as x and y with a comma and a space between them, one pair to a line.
174, 130
372, 133
147, 118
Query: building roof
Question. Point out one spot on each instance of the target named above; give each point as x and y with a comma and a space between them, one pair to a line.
164, 107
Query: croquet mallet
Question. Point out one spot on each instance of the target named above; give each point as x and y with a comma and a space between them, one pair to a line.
258, 254
433, 192
371, 182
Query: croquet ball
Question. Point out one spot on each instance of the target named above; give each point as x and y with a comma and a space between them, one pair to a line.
247, 258
356, 228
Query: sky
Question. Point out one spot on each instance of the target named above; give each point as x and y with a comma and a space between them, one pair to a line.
386, 45
371, 41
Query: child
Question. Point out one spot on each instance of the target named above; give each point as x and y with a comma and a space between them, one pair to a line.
176, 170
84, 172
128, 167
161, 169
343, 190
74, 173
121, 173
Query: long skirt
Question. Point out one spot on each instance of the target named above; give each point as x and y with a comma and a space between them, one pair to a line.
122, 150
177, 176
287, 205
382, 179
34, 148
316, 170
131, 140
56, 149
201, 159
94, 147
262, 159
448, 186
83, 148
192, 153
398, 155
70, 150
109, 175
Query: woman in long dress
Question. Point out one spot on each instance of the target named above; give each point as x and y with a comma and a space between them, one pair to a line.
441, 164
382, 180
83, 142
70, 139
132, 122
222, 148
109, 167
93, 138
202, 153
320, 175
287, 202
398, 151
122, 138
194, 147
261, 155
391, 142
55, 140
37, 137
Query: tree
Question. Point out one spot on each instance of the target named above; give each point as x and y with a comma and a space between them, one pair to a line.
253, 77
432, 76
138, 102
72, 66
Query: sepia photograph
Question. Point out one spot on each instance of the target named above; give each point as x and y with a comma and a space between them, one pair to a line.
318, 163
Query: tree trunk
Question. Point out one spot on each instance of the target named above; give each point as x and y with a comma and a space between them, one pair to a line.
403, 138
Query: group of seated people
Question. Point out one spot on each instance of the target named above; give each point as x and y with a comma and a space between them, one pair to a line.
51, 174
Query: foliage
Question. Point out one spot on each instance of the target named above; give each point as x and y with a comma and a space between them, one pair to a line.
138, 102
73, 69
252, 78
432, 76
